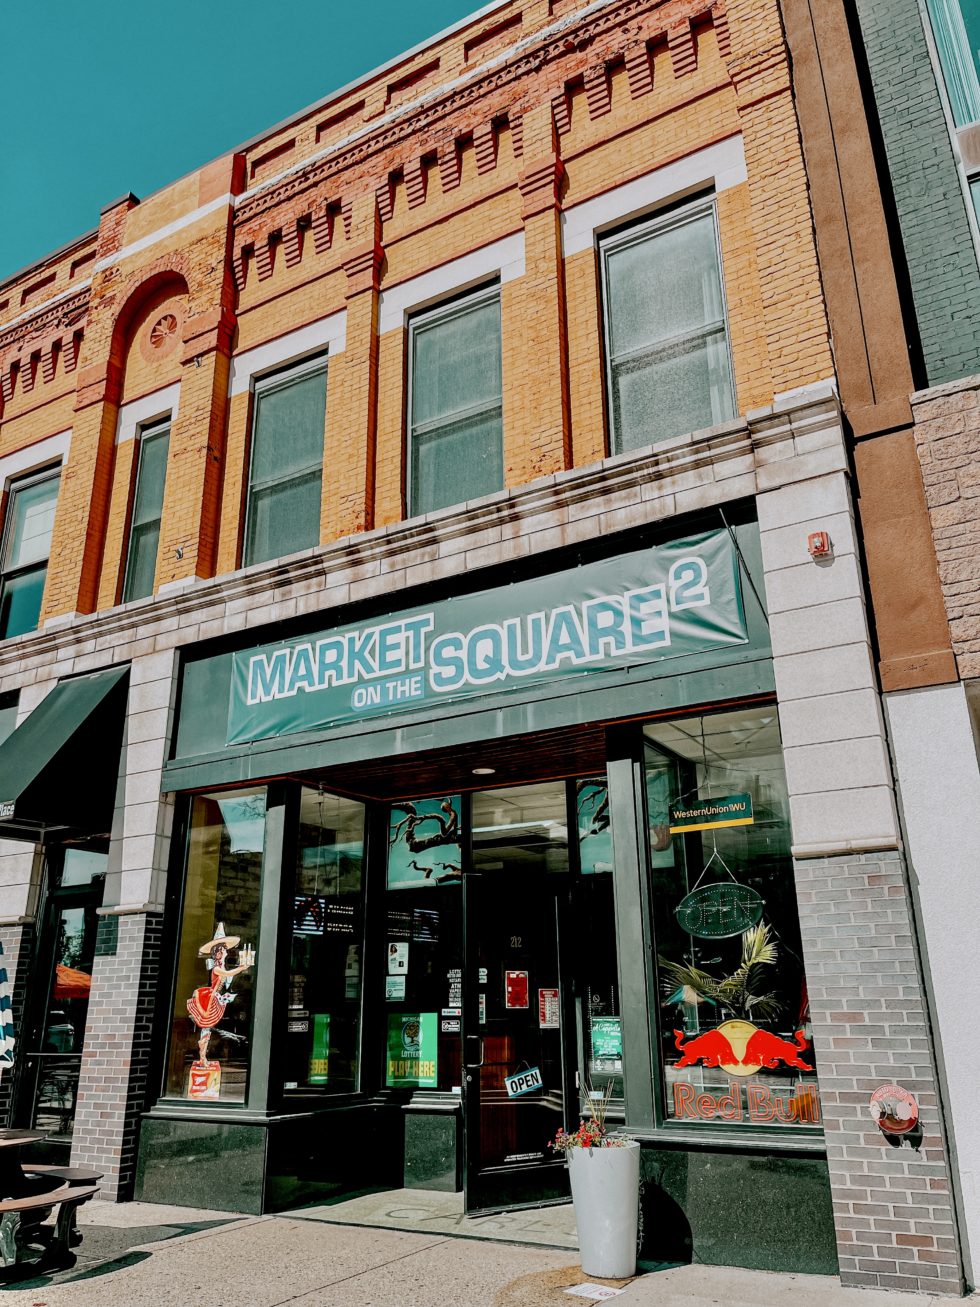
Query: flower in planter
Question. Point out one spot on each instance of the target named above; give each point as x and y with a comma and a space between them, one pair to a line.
591, 1133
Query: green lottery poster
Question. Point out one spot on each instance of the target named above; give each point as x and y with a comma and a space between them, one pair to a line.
413, 1050
320, 1053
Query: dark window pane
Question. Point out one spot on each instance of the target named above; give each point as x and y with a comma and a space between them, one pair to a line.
20, 604
148, 501
672, 391
669, 366
456, 363
8, 714
461, 461
287, 435
323, 1024
31, 518
284, 518
141, 568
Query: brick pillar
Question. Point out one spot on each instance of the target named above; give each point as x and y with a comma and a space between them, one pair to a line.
796, 329
537, 438
893, 1206
191, 504
83, 499
86, 479
112, 1087
352, 384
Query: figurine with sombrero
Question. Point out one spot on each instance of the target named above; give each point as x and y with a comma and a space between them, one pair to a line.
206, 1006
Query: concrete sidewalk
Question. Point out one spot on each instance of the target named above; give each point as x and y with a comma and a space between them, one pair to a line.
195, 1259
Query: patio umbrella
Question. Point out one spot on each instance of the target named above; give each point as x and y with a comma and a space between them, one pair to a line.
69, 982
6, 1018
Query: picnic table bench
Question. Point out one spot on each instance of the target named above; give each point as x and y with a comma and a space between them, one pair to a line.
28, 1194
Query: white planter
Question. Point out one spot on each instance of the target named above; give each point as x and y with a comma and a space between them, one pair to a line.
606, 1197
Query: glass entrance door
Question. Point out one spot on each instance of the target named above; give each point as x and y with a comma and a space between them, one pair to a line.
517, 1076
54, 1030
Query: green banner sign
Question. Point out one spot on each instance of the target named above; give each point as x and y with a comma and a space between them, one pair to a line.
654, 604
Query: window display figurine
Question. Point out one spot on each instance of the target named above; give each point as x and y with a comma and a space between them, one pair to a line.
207, 1004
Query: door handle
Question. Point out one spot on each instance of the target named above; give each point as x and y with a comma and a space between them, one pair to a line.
468, 1052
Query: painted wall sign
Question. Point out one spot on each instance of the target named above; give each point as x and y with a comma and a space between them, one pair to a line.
711, 814
523, 1082
516, 989
665, 602
413, 1050
720, 910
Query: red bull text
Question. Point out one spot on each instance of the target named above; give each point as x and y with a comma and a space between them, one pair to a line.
748, 1101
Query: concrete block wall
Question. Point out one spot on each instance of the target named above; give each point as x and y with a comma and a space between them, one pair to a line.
927, 187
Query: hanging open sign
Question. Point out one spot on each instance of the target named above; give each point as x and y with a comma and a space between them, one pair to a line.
523, 1082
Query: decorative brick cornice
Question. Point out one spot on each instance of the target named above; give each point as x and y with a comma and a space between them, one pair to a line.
64, 312
574, 45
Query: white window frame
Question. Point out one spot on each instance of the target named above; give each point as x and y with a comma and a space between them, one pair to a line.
444, 312
266, 384
636, 234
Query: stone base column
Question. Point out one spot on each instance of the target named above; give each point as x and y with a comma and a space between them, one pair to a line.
893, 1205
112, 1088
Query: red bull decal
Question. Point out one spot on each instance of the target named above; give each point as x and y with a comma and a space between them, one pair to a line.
753, 1102
741, 1049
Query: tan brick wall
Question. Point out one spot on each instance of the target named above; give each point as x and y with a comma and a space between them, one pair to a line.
616, 96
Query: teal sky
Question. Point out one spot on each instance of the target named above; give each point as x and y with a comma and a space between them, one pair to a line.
102, 98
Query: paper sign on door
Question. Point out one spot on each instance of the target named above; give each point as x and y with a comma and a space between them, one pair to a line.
515, 989
548, 1009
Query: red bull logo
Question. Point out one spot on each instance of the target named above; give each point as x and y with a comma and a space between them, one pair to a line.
741, 1049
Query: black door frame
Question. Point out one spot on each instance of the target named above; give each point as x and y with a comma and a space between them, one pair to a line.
56, 898
534, 1184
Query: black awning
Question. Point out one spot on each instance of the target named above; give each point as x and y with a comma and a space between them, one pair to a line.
59, 768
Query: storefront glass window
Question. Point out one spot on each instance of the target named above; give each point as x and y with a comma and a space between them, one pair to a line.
666, 336
734, 1014
219, 938
595, 942
324, 1004
423, 945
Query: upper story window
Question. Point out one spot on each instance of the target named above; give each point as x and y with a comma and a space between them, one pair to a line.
144, 531
667, 360
956, 27
455, 404
25, 550
286, 473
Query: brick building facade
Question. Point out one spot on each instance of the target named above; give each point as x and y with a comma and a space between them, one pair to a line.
511, 183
